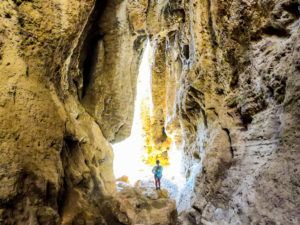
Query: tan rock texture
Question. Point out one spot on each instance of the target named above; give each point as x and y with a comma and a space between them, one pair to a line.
109, 92
233, 90
68, 77
226, 87
55, 160
131, 206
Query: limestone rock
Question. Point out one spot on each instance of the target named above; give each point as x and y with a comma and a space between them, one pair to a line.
225, 88
109, 85
130, 206
57, 164
233, 73
122, 185
123, 179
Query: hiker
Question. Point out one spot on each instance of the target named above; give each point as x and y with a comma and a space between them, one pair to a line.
157, 170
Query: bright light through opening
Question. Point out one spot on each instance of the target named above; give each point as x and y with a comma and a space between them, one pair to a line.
129, 153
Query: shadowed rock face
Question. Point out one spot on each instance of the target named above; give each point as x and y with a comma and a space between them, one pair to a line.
225, 87
67, 89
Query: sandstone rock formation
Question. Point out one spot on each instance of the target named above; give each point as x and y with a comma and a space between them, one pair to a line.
58, 113
226, 87
131, 206
234, 68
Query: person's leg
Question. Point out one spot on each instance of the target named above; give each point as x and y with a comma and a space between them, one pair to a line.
158, 181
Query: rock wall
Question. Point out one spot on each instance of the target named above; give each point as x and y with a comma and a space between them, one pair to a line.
233, 81
228, 76
67, 89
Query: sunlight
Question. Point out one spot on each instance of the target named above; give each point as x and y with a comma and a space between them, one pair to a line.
131, 153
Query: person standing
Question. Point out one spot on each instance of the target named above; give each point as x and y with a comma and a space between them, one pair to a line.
157, 171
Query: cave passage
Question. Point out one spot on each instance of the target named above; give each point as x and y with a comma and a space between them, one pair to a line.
130, 155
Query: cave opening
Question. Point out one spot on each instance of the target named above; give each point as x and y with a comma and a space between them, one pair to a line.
133, 157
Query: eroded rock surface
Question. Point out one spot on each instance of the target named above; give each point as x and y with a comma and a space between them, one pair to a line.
67, 90
131, 206
227, 82
234, 78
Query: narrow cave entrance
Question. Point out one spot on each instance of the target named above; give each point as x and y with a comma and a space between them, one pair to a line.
132, 156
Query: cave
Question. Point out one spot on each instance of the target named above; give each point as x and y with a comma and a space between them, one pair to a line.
135, 156
93, 92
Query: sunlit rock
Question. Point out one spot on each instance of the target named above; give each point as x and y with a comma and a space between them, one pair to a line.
124, 179
131, 206
224, 90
